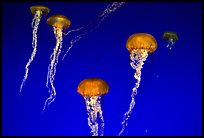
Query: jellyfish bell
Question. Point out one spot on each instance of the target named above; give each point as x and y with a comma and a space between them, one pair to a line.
59, 21
92, 89
141, 41
172, 37
45, 10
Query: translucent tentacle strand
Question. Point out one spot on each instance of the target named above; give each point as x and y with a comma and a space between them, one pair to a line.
138, 57
88, 28
52, 67
77, 38
34, 24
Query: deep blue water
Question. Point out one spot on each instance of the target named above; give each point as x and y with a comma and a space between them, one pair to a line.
169, 100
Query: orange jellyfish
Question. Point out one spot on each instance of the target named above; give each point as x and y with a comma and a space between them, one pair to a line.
139, 45
92, 90
58, 22
37, 11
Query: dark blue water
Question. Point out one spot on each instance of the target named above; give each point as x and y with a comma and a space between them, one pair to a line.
170, 94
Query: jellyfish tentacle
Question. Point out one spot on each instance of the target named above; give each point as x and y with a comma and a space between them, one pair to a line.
89, 27
74, 30
77, 38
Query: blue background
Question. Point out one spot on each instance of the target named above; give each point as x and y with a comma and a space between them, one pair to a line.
170, 94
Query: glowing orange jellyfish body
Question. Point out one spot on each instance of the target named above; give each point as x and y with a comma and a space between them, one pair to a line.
139, 45
45, 10
59, 21
141, 41
92, 89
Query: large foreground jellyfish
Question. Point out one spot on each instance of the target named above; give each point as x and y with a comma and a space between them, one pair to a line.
37, 11
93, 24
59, 22
171, 37
92, 90
139, 45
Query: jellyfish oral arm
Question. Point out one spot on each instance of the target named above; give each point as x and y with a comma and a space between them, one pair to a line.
171, 43
93, 107
36, 19
92, 121
35, 22
138, 57
52, 67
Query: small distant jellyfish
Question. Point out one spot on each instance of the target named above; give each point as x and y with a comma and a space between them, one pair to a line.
92, 90
139, 45
37, 11
59, 22
171, 37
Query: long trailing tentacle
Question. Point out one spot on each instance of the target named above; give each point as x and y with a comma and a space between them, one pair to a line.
89, 27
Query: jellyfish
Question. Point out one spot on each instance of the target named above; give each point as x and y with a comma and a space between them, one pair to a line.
59, 22
37, 11
93, 24
92, 90
171, 37
139, 45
